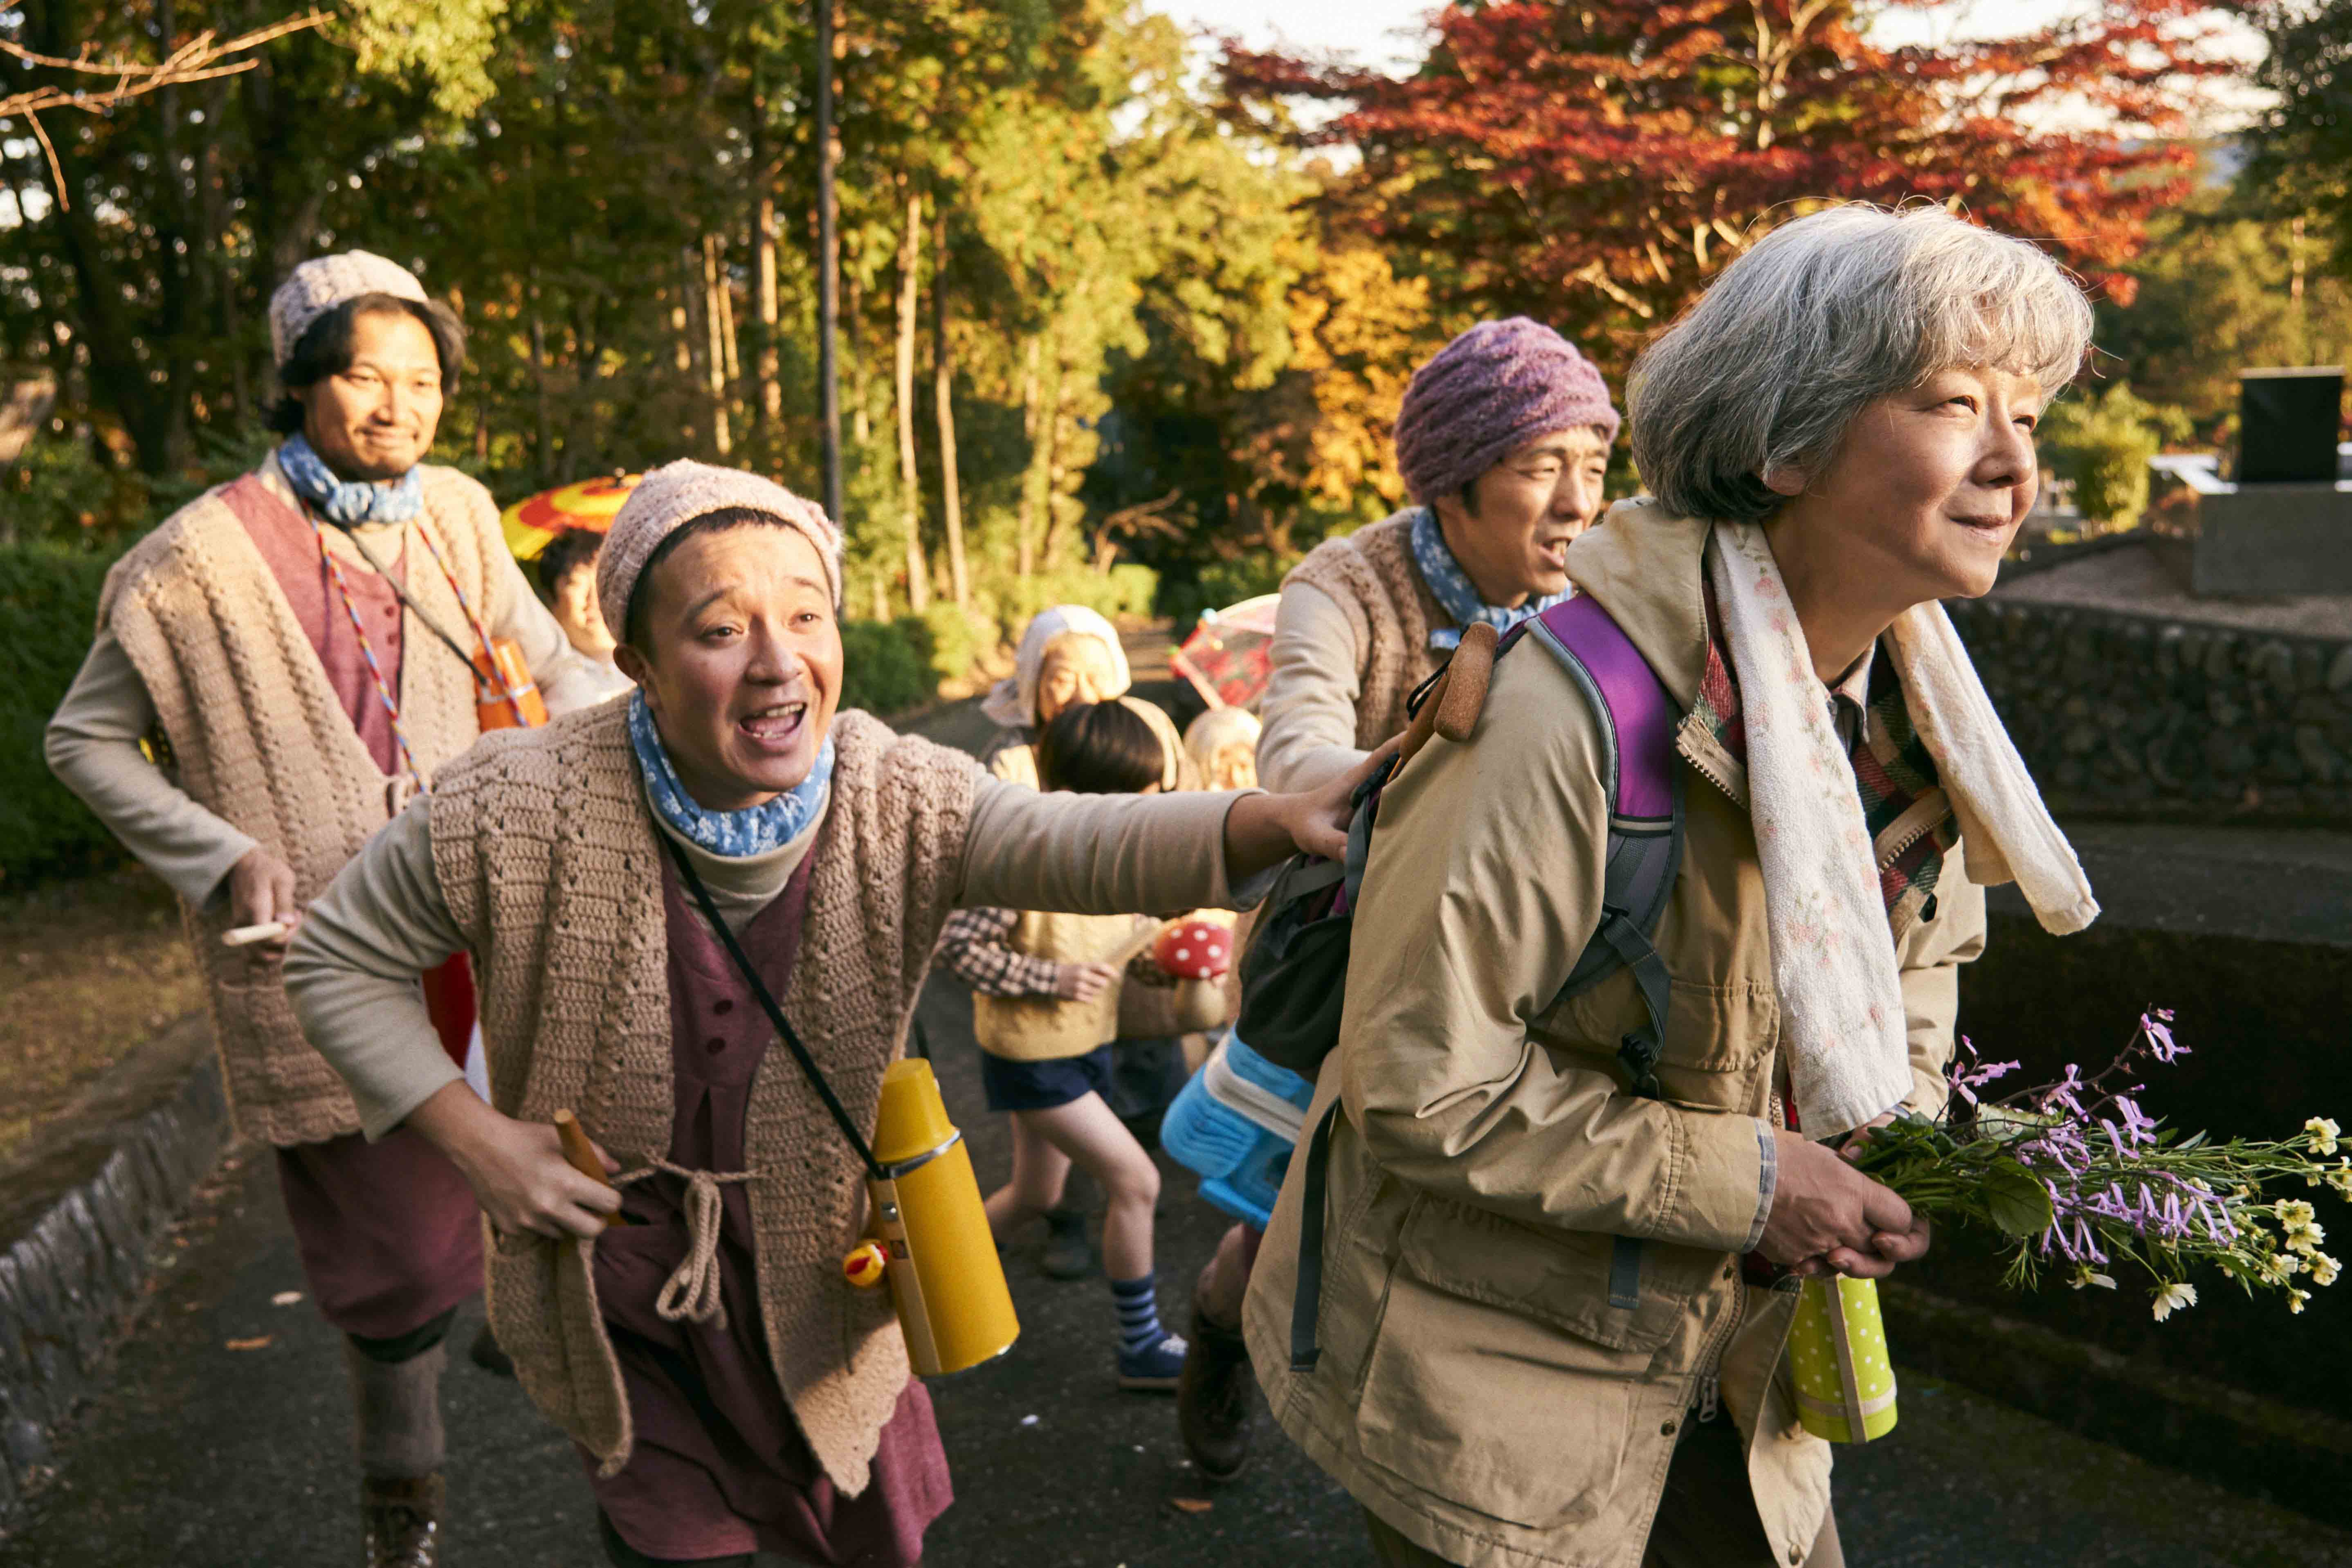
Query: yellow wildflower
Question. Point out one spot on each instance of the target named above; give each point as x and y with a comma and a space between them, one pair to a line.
2323, 1269
2339, 1176
2307, 1237
2173, 1298
2324, 1133
2295, 1212
2295, 1298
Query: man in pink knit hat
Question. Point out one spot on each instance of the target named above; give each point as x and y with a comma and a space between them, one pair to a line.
1503, 440
303, 637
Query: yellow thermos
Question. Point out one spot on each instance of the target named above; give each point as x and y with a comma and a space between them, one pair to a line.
936, 1252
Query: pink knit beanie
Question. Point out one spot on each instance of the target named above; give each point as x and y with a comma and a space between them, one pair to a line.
674, 495
1497, 387
323, 282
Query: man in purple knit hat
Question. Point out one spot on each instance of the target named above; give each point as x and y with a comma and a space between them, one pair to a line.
1504, 439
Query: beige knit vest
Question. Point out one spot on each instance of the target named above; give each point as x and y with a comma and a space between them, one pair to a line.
259, 739
1045, 1028
545, 852
1370, 574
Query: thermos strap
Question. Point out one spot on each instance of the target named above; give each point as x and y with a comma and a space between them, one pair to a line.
785, 1030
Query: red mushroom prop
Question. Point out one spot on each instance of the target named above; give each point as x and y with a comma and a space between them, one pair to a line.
1197, 952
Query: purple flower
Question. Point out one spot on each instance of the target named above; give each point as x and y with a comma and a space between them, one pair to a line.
2062, 1093
2142, 1130
2156, 1025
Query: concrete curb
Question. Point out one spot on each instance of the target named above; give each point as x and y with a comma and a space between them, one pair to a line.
72, 1279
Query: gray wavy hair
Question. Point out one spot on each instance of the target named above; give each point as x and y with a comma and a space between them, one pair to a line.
1823, 318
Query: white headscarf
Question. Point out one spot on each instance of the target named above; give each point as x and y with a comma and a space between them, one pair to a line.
1014, 704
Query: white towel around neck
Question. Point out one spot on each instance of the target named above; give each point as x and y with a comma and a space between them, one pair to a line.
1834, 960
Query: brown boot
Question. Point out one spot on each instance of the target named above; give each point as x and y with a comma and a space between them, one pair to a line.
1215, 1399
402, 1521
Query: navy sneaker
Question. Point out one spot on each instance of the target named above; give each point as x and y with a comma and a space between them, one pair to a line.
1155, 1368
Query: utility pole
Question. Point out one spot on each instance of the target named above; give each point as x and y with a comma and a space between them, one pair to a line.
828, 267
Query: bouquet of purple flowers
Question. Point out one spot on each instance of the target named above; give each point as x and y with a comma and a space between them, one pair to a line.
2076, 1176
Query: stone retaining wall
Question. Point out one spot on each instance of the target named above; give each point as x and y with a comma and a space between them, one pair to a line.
71, 1280
2122, 715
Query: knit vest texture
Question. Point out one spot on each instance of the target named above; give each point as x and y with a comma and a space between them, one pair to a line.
1370, 574
260, 737
1046, 1028
544, 848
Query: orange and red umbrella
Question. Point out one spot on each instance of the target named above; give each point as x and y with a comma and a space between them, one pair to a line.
533, 522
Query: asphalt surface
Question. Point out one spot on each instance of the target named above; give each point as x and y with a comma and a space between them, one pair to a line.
224, 1439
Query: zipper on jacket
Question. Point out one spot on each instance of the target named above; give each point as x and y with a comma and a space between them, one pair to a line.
1710, 1385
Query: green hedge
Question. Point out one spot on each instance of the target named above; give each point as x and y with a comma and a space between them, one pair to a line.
48, 603
886, 665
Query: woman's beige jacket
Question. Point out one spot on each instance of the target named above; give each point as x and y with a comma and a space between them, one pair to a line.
1476, 1390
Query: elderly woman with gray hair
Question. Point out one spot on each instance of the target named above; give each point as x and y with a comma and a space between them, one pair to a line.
1838, 434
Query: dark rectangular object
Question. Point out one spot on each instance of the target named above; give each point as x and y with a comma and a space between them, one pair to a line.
2287, 424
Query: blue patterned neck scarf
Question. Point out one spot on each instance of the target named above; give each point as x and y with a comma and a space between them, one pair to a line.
342, 501
735, 834
1456, 593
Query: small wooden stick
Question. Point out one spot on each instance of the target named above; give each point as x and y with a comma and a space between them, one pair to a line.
581, 1155
245, 936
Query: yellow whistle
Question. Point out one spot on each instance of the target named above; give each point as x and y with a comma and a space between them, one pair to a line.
932, 1236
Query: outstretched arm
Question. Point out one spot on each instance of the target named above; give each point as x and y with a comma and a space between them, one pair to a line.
1109, 854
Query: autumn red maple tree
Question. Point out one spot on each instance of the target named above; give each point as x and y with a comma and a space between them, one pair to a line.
1593, 163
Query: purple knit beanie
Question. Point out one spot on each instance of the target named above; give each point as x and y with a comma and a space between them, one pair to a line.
1497, 387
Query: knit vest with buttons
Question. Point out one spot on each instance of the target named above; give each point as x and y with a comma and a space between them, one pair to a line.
1046, 1028
1370, 574
544, 849
260, 738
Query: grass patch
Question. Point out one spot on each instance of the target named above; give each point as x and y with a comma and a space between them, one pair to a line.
91, 969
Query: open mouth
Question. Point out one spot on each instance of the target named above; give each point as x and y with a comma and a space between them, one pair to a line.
773, 728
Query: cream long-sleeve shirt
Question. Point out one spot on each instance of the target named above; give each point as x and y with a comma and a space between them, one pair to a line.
351, 972
93, 740
1309, 710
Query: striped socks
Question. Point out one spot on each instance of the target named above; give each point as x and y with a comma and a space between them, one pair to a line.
1139, 1315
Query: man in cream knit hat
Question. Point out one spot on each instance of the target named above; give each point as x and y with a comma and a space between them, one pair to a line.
303, 639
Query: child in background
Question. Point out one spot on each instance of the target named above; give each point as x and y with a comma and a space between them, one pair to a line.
1222, 744
566, 570
1045, 1009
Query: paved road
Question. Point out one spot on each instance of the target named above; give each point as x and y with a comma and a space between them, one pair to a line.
205, 1456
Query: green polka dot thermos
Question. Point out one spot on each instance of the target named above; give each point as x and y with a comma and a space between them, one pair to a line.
1839, 1358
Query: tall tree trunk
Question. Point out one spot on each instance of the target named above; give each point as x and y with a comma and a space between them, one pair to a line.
770, 364
943, 401
1024, 521
714, 332
545, 454
828, 250
861, 381
910, 258
722, 299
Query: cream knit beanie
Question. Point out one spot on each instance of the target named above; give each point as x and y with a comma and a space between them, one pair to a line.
674, 495
323, 282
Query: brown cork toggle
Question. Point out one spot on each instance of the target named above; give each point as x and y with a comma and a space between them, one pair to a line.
1453, 709
581, 1155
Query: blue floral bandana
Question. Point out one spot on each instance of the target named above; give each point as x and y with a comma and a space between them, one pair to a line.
339, 500
736, 835
1456, 595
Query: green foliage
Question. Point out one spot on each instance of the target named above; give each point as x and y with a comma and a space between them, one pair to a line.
1124, 590
48, 603
1222, 583
958, 638
2102, 442
886, 665
57, 490
2222, 286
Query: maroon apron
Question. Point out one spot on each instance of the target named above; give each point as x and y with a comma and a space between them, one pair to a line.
720, 1466
389, 1232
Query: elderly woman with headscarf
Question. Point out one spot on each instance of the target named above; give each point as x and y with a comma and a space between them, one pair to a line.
1838, 434
634, 882
1068, 654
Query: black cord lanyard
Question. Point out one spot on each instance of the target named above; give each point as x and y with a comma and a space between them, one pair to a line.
785, 1030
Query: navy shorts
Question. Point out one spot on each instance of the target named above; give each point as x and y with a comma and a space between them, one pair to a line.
1040, 1086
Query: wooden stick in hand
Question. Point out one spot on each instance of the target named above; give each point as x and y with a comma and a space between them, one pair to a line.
581, 1155
245, 936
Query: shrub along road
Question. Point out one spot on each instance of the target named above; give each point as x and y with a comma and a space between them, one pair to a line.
224, 1439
